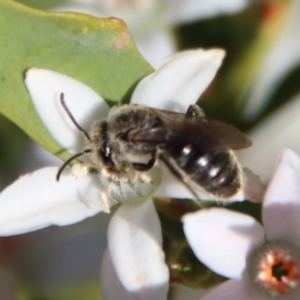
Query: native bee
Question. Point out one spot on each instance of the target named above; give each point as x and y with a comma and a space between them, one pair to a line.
198, 151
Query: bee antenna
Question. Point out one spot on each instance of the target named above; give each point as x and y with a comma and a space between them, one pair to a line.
69, 160
63, 103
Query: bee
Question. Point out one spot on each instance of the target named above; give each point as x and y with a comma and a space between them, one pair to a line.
198, 151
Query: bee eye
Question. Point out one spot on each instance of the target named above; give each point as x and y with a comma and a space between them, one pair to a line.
105, 154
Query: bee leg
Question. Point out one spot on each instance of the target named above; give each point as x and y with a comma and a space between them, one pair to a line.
177, 172
194, 111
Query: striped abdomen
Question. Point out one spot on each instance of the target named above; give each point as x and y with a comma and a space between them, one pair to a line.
216, 171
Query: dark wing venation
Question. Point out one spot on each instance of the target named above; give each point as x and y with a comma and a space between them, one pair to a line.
177, 129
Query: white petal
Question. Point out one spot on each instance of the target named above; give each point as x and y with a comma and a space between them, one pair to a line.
173, 188
86, 105
283, 57
253, 189
222, 239
190, 10
37, 200
111, 286
281, 206
135, 246
180, 80
278, 131
234, 289
156, 45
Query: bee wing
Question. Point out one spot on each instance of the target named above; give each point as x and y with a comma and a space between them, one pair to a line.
225, 135
175, 129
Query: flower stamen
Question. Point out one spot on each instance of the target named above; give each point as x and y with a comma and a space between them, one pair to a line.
277, 268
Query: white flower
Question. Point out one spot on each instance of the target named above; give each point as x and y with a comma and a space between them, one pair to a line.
262, 262
279, 129
37, 200
150, 21
141, 12
282, 59
270, 136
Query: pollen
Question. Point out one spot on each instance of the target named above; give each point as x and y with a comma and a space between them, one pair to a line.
277, 268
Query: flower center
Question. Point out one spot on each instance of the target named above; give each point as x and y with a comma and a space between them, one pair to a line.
275, 268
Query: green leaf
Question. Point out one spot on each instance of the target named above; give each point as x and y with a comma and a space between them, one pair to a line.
97, 52
45, 4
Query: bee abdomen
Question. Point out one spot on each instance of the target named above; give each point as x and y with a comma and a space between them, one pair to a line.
216, 171
222, 175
